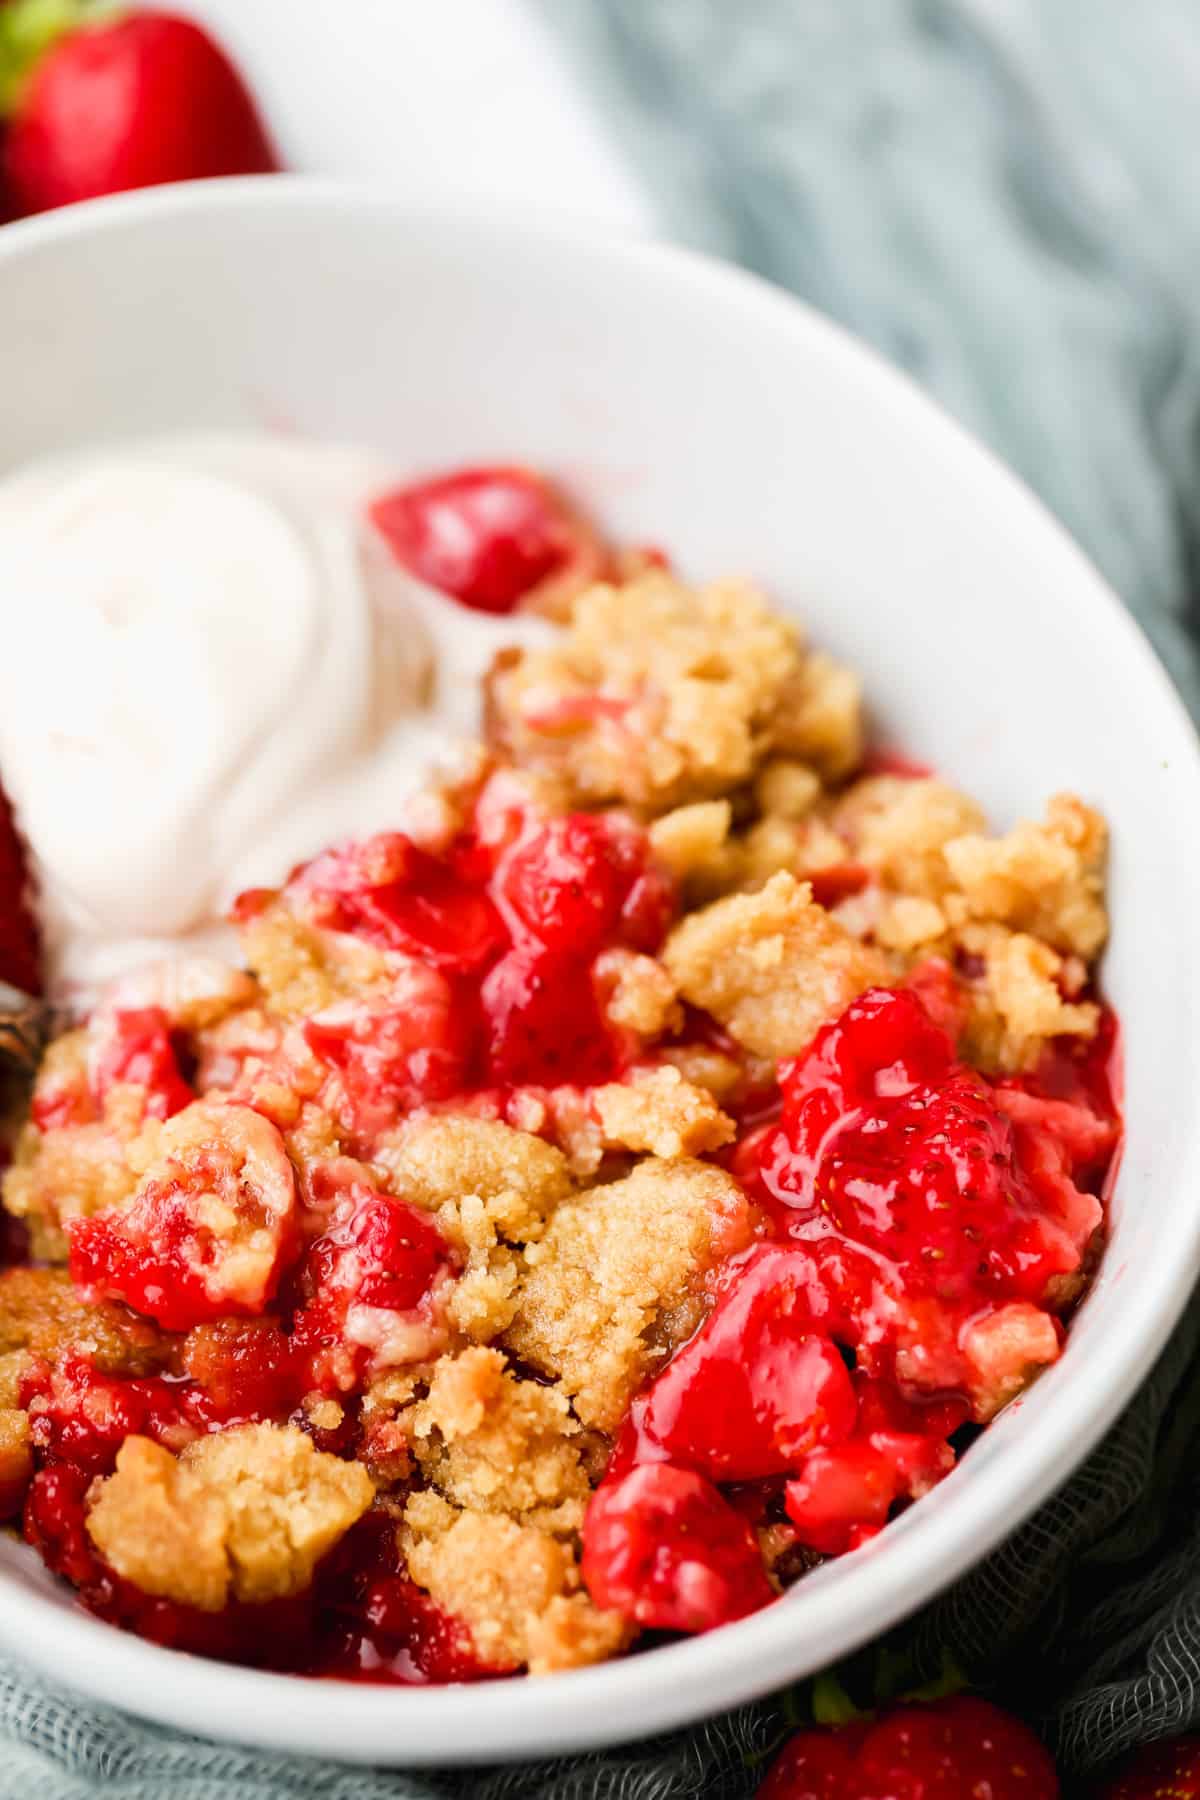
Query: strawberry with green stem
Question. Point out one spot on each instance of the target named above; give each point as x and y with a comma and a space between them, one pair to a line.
932, 1743
99, 100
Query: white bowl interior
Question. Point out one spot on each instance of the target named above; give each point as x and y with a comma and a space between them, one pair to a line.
693, 407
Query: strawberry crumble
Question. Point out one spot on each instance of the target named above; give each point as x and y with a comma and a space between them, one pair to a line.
578, 1212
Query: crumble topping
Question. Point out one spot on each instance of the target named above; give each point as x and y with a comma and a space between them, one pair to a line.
459, 1257
518, 1589
618, 1280
246, 1513
657, 694
771, 966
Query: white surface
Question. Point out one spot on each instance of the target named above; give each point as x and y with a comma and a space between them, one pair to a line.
695, 407
465, 101
179, 570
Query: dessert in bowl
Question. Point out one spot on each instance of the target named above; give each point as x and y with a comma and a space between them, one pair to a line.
590, 1212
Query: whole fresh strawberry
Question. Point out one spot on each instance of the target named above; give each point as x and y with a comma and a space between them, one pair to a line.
954, 1749
1158, 1772
99, 102
19, 956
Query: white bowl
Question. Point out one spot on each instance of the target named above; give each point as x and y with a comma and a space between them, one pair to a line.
693, 406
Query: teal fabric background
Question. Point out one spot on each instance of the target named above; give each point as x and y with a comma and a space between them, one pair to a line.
1002, 196
999, 194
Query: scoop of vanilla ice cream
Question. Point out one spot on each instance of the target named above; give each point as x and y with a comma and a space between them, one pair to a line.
213, 668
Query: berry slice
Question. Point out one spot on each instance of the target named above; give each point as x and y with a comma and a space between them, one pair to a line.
662, 1546
489, 537
209, 1228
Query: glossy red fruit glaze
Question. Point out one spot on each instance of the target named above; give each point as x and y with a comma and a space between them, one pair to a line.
956, 1749
394, 894
81, 1417
412, 1047
135, 1047
380, 1255
888, 1140
565, 885
379, 1626
20, 949
129, 102
486, 536
760, 1384
664, 1548
208, 1236
543, 1021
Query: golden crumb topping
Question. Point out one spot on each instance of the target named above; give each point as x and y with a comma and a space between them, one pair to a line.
772, 966
618, 1280
518, 1589
657, 694
659, 1111
490, 1441
244, 1514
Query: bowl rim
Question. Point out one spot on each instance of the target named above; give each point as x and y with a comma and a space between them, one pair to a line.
676, 1684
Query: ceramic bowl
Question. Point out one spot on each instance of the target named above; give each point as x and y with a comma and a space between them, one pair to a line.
692, 406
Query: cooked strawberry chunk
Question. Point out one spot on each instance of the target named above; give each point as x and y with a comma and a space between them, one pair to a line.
134, 1047
543, 1020
208, 1229
392, 893
664, 1548
486, 536
888, 1139
761, 1384
565, 885
370, 1285
82, 1417
410, 1047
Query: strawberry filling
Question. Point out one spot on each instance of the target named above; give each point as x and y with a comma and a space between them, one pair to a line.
488, 537
662, 1546
923, 1220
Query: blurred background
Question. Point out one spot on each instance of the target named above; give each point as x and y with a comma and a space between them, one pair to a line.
994, 192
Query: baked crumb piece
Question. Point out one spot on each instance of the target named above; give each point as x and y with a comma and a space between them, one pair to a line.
617, 1281
657, 695
442, 1157
638, 995
1005, 1350
820, 716
691, 841
244, 1514
493, 1443
41, 1313
1021, 1002
772, 966
802, 847
1043, 879
786, 789
516, 1588
75, 1164
657, 1110
899, 829
301, 968
16, 1460
490, 1187
705, 1067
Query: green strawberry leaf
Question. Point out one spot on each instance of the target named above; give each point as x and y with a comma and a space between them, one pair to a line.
28, 28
